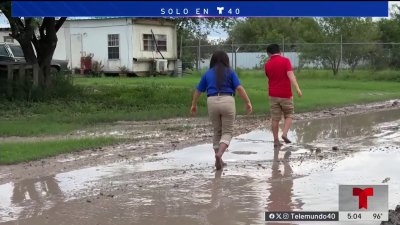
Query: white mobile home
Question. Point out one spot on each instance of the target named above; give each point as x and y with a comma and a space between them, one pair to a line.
120, 44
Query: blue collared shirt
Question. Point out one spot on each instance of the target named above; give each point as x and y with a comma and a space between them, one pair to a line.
208, 83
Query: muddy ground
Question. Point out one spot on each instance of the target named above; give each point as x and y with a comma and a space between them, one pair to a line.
165, 174
154, 137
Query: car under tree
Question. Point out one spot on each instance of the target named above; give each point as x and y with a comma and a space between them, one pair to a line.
12, 52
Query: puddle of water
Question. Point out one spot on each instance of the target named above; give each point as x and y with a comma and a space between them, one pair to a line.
361, 168
321, 130
348, 133
244, 152
180, 187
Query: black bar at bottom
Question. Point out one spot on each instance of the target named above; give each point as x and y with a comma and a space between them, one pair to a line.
301, 216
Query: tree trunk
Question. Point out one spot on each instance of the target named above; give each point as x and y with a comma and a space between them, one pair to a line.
23, 30
45, 48
29, 52
44, 59
334, 69
336, 66
353, 67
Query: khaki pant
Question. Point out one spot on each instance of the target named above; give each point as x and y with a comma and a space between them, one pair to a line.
222, 111
281, 106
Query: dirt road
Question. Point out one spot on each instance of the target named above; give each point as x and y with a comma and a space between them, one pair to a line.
168, 177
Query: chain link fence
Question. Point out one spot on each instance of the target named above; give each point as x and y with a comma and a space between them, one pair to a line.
333, 56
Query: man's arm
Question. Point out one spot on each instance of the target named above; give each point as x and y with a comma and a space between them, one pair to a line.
239, 88
293, 80
245, 98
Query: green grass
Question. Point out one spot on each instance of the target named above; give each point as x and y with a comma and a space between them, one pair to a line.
320, 92
105, 100
361, 75
11, 153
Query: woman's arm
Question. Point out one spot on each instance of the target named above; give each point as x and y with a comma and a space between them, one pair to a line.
201, 87
245, 98
196, 96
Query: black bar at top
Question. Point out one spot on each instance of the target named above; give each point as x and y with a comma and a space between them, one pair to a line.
198, 0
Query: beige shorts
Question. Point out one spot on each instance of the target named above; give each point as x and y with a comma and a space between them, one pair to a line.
279, 106
222, 111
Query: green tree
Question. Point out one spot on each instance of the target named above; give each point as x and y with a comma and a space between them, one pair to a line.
253, 34
310, 37
358, 30
37, 37
389, 30
190, 43
193, 31
262, 31
333, 31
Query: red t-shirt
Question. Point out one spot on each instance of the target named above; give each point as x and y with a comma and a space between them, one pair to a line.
278, 81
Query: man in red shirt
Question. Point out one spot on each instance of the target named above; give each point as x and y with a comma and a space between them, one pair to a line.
280, 75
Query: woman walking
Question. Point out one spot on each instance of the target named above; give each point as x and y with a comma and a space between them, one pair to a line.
220, 82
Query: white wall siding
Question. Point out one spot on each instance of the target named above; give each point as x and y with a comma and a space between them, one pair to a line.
61, 49
83, 37
91, 37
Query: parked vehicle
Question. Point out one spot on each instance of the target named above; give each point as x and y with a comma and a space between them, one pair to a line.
13, 52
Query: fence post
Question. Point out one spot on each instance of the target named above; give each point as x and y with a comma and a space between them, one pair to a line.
10, 72
35, 69
232, 53
283, 46
21, 72
198, 57
10, 78
180, 53
341, 51
235, 58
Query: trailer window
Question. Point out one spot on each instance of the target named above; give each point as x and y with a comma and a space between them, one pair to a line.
113, 46
149, 45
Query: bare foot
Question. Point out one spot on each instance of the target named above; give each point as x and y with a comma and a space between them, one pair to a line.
223, 163
277, 144
287, 141
218, 162
218, 173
